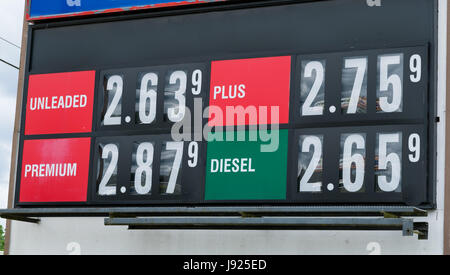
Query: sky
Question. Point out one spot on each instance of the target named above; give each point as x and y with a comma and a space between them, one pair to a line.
11, 20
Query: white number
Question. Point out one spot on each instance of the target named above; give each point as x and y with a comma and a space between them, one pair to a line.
349, 159
116, 81
72, 3
393, 80
144, 166
74, 248
150, 95
415, 65
178, 147
361, 65
197, 82
393, 159
414, 147
193, 154
112, 149
316, 143
316, 66
177, 114
374, 248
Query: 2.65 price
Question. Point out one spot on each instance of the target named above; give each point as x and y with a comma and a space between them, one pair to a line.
388, 154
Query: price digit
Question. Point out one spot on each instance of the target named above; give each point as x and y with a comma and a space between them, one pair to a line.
144, 167
197, 82
178, 148
103, 188
147, 94
318, 68
361, 65
393, 80
114, 85
414, 147
176, 114
349, 159
193, 154
392, 159
315, 143
415, 65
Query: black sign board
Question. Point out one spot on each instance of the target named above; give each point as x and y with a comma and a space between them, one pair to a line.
263, 103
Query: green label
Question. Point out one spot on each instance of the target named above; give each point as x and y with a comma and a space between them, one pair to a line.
247, 170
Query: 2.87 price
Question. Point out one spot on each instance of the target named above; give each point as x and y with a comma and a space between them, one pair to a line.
153, 167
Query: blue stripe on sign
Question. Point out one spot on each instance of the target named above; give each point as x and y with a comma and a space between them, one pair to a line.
40, 8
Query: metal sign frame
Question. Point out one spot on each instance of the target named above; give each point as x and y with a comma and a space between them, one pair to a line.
432, 88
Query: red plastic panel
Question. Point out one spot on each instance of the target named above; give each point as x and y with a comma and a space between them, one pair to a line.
239, 87
60, 103
55, 170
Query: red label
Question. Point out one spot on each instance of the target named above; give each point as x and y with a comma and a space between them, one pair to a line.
60, 103
250, 91
55, 170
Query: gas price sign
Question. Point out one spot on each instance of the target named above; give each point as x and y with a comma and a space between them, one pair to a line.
330, 102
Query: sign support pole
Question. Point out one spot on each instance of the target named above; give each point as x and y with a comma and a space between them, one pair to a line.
447, 150
16, 133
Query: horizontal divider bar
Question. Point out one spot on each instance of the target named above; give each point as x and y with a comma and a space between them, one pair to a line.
204, 211
406, 225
